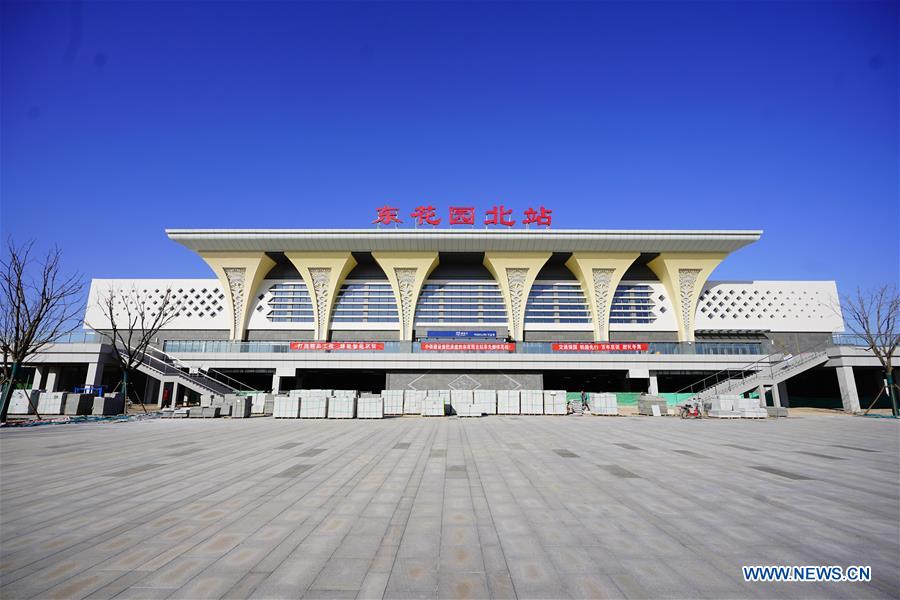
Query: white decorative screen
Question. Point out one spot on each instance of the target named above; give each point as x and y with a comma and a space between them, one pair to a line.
770, 305
201, 303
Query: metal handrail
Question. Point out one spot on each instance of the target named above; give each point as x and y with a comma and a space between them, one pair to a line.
754, 370
204, 372
171, 366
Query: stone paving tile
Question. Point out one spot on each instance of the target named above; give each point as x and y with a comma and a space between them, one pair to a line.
426, 508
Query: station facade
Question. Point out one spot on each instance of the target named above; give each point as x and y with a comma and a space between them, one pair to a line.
494, 309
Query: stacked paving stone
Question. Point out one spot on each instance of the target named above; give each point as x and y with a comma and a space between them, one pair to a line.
263, 404
242, 405
51, 403
393, 402
508, 402
443, 395
314, 404
433, 406
646, 403
412, 401
459, 398
225, 406
555, 402
287, 407
531, 402
210, 412
749, 408
777, 411
722, 407
370, 406
342, 404
469, 409
487, 401
603, 404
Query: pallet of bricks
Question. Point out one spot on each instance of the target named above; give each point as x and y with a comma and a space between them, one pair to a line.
287, 407
486, 401
749, 408
508, 402
555, 402
722, 407
531, 402
369, 406
646, 403
241, 406
342, 404
412, 401
463, 403
314, 404
435, 403
393, 402
603, 404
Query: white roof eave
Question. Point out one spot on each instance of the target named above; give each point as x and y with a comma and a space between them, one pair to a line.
460, 240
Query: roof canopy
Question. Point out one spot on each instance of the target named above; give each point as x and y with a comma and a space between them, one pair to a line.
462, 240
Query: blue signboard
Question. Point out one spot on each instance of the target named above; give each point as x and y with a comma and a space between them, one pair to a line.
463, 334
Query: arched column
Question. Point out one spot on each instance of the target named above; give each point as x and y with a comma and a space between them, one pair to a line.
240, 274
515, 273
599, 274
684, 274
323, 273
407, 272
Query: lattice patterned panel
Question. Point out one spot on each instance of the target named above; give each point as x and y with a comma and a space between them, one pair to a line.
771, 305
201, 303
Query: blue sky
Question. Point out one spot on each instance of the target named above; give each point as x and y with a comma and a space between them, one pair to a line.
121, 119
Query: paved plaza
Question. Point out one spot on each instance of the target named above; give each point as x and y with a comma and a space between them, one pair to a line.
528, 507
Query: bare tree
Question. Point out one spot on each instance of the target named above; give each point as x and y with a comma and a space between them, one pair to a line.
874, 316
38, 305
134, 320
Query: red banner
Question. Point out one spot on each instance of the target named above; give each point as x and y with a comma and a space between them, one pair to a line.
337, 345
601, 347
468, 346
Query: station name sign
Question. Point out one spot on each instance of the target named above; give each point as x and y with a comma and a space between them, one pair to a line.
498, 215
462, 334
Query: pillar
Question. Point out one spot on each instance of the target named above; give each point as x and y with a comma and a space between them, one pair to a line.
684, 274
240, 274
52, 378
94, 374
323, 273
599, 274
847, 384
38, 377
653, 384
776, 396
176, 389
515, 273
761, 392
407, 272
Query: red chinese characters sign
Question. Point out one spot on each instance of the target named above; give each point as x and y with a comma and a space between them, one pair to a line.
464, 215
601, 347
337, 345
468, 346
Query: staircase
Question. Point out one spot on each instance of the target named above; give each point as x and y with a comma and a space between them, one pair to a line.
163, 367
769, 371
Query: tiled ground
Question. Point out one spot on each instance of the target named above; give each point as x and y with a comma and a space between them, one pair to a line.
539, 507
